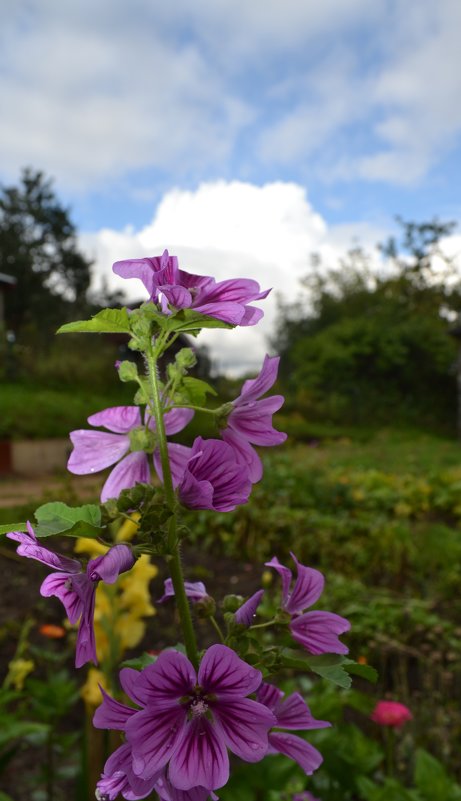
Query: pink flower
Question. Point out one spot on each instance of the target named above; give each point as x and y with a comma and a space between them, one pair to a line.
391, 713
292, 714
124, 446
250, 420
171, 287
316, 631
188, 720
76, 588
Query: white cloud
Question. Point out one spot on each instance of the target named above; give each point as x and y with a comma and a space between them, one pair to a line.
231, 230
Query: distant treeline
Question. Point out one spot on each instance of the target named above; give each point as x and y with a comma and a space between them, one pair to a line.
367, 349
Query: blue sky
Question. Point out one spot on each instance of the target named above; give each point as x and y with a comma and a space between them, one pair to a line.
327, 118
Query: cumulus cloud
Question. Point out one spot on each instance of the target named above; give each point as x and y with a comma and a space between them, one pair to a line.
96, 92
230, 230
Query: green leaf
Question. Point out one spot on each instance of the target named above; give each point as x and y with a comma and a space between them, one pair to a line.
74, 521
107, 321
197, 390
432, 780
139, 662
330, 666
364, 671
13, 527
190, 320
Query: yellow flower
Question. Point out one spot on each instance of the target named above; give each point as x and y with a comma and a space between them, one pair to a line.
18, 670
90, 691
91, 547
128, 529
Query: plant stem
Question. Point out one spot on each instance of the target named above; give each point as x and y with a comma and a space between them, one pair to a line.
174, 558
217, 628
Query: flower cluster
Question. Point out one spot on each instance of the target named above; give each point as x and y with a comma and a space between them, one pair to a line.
180, 737
187, 712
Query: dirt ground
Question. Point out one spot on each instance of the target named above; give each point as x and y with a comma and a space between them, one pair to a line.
20, 490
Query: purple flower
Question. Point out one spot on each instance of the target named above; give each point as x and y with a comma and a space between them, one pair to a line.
208, 476
245, 614
96, 450
250, 421
171, 287
189, 720
316, 631
195, 590
291, 713
305, 796
76, 589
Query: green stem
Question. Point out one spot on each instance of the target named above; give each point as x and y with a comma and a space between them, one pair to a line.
264, 625
217, 628
191, 406
174, 558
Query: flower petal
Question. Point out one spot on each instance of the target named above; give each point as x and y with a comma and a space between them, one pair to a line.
132, 684
168, 679
255, 388
111, 714
245, 454
60, 585
120, 419
133, 469
293, 713
318, 632
85, 650
153, 735
176, 420
200, 757
178, 455
195, 590
295, 748
244, 725
224, 674
307, 589
30, 548
247, 611
286, 576
108, 567
95, 450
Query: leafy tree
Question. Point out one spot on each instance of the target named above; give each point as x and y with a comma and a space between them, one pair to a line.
366, 348
38, 247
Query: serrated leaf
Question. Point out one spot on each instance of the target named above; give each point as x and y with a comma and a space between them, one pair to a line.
75, 521
13, 527
197, 390
107, 321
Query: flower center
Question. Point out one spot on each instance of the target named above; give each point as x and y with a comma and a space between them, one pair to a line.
198, 707
142, 439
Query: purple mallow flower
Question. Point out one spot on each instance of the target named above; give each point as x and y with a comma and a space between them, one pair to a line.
125, 445
195, 591
292, 714
169, 286
316, 631
75, 588
208, 476
250, 420
188, 720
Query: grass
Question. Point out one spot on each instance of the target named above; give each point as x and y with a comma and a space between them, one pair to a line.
31, 412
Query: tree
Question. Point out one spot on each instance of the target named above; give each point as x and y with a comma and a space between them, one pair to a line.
38, 247
375, 348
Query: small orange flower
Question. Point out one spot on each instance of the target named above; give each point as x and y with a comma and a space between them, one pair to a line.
362, 660
52, 632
